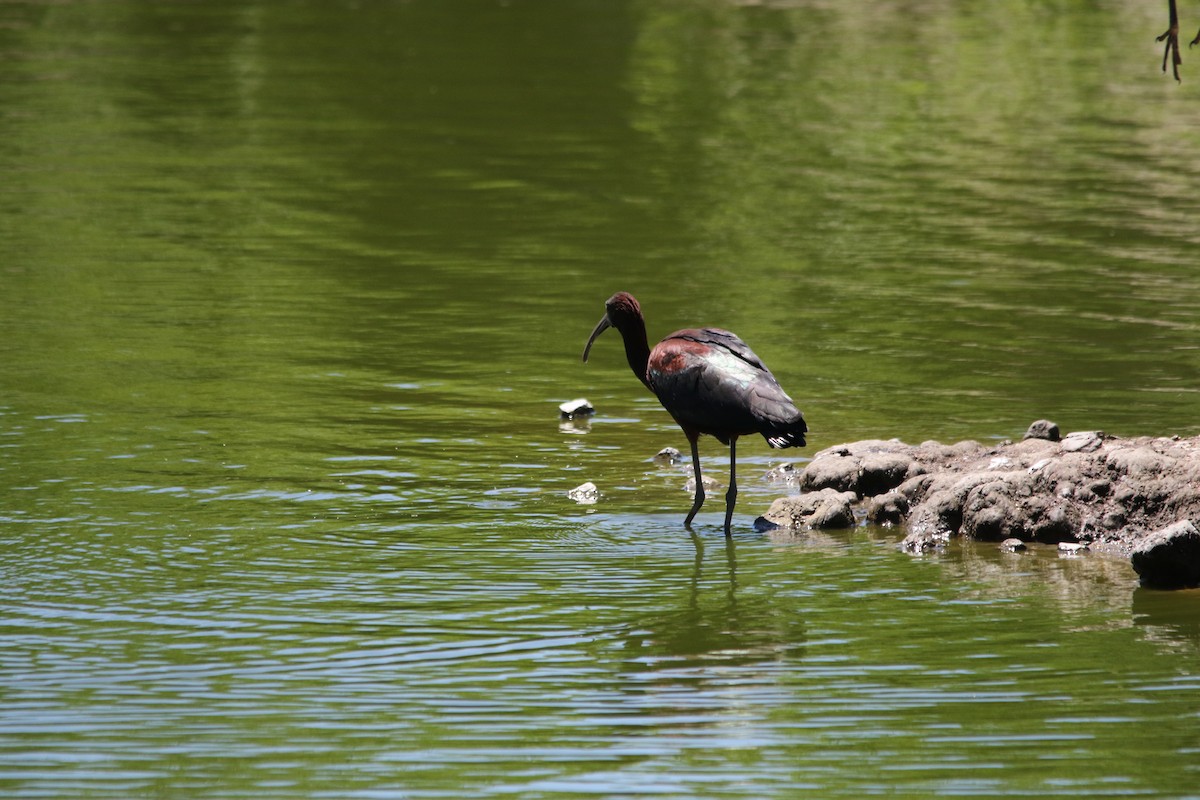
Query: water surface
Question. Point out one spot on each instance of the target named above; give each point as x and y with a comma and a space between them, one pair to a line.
291, 293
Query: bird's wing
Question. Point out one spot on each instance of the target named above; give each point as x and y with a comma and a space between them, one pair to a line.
711, 380
725, 340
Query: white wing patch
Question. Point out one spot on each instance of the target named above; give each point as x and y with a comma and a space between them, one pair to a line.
731, 367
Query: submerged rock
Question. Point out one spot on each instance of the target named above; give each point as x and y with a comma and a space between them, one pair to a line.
1084, 490
668, 455
710, 484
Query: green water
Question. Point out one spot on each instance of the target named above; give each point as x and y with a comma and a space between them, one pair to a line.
289, 294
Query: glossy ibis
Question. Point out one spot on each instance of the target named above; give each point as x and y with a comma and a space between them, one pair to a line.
710, 382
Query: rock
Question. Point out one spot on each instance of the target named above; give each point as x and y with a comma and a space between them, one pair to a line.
1027, 451
887, 509
989, 511
1069, 468
836, 472
784, 473
1071, 548
710, 484
1087, 489
940, 514
668, 455
882, 472
1114, 520
1169, 558
1012, 545
833, 513
922, 541
941, 509
826, 508
916, 488
585, 494
1082, 442
579, 407
991, 523
1049, 520
1043, 429
965, 449
1139, 462
764, 525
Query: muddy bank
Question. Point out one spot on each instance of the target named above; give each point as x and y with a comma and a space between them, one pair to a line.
1139, 498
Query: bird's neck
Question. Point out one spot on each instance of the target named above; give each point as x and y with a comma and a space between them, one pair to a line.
637, 348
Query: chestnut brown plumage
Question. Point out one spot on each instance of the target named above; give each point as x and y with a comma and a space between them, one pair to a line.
710, 382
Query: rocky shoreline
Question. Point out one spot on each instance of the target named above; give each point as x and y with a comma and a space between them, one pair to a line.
1138, 498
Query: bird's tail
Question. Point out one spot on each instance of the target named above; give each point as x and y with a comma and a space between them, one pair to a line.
787, 434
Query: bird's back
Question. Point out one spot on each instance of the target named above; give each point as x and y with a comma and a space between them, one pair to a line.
711, 381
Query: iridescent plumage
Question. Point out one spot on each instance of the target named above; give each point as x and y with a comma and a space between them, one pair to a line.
710, 382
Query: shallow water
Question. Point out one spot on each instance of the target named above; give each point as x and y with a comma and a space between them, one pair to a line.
291, 294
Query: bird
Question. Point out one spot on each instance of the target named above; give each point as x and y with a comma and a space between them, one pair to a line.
710, 382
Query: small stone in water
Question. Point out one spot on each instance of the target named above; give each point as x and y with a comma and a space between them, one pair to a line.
763, 525
1071, 548
709, 484
584, 493
784, 473
1013, 545
668, 455
579, 407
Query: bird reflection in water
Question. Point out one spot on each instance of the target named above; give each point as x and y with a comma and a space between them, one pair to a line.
714, 626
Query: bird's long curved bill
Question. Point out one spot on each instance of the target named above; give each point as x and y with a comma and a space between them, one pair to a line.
601, 327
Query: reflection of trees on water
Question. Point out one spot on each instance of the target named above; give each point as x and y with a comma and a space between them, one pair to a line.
715, 624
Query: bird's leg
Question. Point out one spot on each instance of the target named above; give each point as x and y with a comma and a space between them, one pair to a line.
1195, 41
693, 440
731, 495
1171, 37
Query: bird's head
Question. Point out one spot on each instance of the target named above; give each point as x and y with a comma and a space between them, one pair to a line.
619, 311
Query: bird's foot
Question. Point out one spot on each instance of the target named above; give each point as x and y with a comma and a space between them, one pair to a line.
1171, 50
1195, 41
